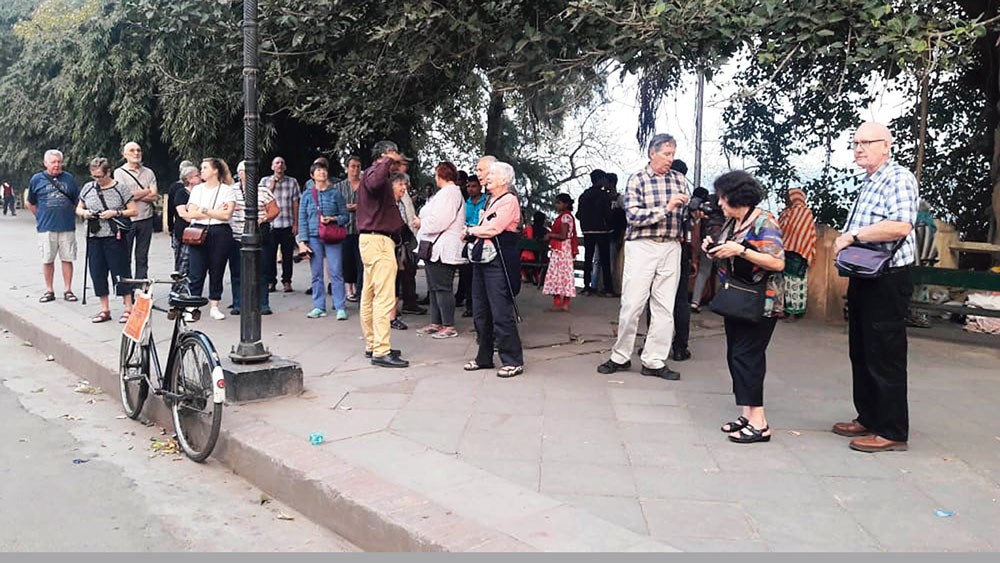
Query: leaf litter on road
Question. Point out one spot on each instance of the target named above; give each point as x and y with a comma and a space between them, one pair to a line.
86, 388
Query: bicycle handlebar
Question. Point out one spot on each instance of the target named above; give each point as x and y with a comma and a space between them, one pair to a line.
175, 278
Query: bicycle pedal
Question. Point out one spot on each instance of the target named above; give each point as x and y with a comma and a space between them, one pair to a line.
171, 315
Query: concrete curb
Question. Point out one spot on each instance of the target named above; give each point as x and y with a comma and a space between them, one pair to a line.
363, 507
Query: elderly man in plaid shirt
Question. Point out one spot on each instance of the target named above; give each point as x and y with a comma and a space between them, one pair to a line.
655, 203
884, 213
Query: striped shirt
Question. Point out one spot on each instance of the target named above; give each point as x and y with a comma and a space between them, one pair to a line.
238, 221
890, 194
286, 191
646, 199
350, 196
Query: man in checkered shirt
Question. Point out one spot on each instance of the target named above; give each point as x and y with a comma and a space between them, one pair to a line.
885, 212
655, 203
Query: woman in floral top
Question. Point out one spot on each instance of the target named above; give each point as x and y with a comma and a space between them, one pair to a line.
750, 249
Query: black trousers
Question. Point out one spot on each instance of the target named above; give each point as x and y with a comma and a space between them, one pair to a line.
8, 203
877, 311
407, 280
351, 259
601, 241
682, 307
284, 239
493, 314
746, 353
107, 255
464, 293
210, 259
137, 241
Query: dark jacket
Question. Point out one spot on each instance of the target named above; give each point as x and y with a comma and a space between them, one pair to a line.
594, 210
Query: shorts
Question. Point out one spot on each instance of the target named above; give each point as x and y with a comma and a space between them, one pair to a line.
61, 243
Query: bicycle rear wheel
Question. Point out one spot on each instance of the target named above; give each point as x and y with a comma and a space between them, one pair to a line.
197, 417
133, 371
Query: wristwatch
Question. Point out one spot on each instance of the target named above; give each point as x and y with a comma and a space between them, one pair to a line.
744, 253
854, 234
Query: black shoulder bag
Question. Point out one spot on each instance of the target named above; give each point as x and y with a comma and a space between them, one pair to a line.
737, 298
426, 247
865, 260
119, 225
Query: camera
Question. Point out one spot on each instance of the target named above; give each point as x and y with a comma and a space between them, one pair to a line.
302, 256
713, 245
94, 222
698, 203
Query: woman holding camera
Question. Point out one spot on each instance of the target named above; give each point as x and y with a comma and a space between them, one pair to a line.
106, 206
322, 204
210, 207
750, 249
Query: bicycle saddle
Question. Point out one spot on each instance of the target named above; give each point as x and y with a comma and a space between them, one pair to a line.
183, 301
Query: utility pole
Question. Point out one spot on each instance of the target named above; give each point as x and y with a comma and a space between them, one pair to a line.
699, 125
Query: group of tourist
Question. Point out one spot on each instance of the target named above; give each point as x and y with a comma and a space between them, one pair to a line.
363, 237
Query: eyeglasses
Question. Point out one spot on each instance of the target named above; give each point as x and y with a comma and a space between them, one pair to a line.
98, 176
865, 143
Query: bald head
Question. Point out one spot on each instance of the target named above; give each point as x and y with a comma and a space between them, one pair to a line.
483, 168
132, 153
871, 146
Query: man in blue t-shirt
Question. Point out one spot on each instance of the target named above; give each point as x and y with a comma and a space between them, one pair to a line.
52, 197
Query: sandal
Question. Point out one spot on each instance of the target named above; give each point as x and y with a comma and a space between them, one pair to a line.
101, 317
735, 426
473, 365
428, 329
510, 371
749, 435
124, 318
68, 296
48, 296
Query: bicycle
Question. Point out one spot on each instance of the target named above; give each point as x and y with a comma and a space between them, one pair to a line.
194, 387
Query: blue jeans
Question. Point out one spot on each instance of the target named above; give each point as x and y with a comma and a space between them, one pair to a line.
334, 267
235, 253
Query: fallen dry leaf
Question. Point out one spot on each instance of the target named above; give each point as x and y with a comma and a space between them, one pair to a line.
39, 390
264, 499
121, 417
165, 447
88, 389
70, 417
28, 344
283, 516
794, 433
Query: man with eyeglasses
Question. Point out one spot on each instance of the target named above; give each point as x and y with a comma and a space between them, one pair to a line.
141, 181
884, 213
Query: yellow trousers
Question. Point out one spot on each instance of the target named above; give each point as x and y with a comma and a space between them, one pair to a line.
378, 296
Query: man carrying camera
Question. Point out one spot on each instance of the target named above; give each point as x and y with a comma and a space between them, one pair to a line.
655, 206
52, 196
107, 206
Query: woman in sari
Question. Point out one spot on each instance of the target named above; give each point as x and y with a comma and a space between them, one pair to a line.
798, 229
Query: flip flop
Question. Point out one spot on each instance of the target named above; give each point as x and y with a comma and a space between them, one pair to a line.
47, 297
68, 296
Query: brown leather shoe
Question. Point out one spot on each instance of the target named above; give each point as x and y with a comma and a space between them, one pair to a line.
850, 429
873, 443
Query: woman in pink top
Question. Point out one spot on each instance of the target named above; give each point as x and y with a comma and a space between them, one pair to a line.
496, 283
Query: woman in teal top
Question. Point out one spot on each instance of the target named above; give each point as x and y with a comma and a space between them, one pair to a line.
334, 210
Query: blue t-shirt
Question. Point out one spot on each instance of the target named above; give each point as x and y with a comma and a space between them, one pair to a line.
56, 211
473, 210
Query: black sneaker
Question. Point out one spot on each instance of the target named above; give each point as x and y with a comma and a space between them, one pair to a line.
234, 312
467, 313
612, 366
680, 355
398, 324
393, 352
390, 361
662, 373
414, 310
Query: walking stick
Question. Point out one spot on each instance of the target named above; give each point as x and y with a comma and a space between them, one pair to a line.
506, 277
86, 262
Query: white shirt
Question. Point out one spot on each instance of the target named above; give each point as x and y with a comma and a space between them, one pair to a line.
211, 198
444, 215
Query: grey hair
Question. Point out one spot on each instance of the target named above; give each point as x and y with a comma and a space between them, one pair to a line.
503, 173
399, 177
490, 159
186, 171
184, 164
658, 141
382, 147
52, 152
101, 163
241, 166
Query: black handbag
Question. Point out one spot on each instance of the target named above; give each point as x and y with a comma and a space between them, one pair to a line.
425, 249
865, 260
738, 299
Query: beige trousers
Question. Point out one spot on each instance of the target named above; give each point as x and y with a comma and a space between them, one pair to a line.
378, 297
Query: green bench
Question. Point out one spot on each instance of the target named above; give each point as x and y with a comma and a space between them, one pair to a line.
965, 279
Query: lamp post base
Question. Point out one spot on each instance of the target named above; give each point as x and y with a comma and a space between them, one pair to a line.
277, 377
249, 353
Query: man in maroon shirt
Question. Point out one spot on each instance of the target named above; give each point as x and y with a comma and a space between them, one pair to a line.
379, 225
8, 199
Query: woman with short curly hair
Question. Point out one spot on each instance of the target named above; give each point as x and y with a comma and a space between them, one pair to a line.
750, 250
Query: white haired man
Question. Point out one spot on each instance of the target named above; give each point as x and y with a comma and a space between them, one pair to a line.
52, 198
654, 206
142, 182
884, 215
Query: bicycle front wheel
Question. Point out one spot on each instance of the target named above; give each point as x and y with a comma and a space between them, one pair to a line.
133, 371
197, 414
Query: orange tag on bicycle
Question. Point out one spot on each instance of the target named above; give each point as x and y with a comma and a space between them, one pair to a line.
139, 318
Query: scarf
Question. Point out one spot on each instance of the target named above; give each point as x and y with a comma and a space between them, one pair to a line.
798, 227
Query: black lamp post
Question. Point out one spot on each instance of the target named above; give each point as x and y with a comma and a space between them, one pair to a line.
250, 349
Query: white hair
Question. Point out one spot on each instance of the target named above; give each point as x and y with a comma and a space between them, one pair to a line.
52, 152
503, 173
241, 166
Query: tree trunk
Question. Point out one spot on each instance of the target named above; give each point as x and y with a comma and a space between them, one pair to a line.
494, 123
925, 85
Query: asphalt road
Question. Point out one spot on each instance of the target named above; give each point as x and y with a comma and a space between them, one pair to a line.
120, 495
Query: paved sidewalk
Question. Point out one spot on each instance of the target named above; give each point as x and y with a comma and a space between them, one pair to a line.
564, 458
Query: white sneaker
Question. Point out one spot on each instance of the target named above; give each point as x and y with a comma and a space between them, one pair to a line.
217, 314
